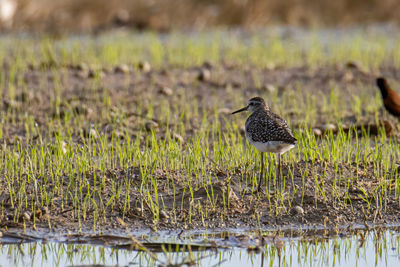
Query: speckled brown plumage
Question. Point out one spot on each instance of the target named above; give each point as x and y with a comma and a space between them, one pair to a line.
264, 125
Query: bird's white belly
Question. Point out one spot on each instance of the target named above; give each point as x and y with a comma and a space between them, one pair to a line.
273, 146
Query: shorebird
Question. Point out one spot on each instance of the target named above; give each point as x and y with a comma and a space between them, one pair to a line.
391, 100
267, 132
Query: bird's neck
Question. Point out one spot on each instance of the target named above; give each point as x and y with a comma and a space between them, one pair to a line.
384, 92
384, 88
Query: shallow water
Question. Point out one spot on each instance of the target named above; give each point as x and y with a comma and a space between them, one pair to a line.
374, 248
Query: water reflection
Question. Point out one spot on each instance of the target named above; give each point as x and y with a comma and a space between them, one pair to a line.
376, 248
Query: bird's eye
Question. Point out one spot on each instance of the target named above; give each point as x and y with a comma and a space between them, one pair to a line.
251, 103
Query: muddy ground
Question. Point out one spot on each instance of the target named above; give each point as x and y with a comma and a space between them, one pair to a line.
129, 88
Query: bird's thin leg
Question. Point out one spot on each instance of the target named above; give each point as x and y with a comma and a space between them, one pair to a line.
279, 169
262, 172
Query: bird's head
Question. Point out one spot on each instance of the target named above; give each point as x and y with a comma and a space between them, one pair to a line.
253, 104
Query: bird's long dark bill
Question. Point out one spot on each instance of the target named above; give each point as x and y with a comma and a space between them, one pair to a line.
240, 110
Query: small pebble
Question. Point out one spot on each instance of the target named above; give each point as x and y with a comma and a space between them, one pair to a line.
93, 133
138, 210
27, 216
353, 65
204, 75
144, 66
178, 137
151, 125
82, 66
38, 213
93, 74
121, 222
166, 91
329, 127
45, 210
298, 210
163, 214
269, 88
317, 131
64, 147
123, 68
232, 196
